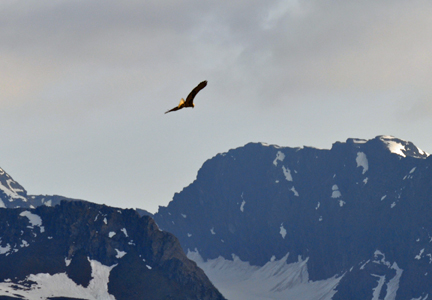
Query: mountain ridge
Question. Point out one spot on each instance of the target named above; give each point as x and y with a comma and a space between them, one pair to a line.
350, 211
272, 222
83, 250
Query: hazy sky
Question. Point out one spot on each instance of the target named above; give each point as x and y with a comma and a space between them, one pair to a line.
84, 86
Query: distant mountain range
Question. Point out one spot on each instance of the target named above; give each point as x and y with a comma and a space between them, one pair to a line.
262, 221
270, 222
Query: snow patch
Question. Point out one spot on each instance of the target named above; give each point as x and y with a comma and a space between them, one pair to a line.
419, 256
60, 285
377, 289
282, 231
242, 204
392, 284
287, 173
4, 250
276, 280
362, 161
120, 254
410, 174
279, 157
294, 191
393, 146
124, 232
335, 192
34, 220
67, 261
363, 266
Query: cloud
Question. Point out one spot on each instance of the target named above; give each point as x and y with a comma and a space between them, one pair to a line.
288, 46
88, 77
281, 51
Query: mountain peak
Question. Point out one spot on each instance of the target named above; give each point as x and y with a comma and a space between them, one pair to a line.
356, 216
11, 191
82, 250
401, 147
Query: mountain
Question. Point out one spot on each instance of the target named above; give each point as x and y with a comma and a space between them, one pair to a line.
81, 250
13, 195
270, 222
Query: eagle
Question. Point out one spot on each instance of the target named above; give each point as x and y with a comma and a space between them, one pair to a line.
189, 98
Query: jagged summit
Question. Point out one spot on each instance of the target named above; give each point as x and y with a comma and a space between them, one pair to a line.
394, 145
13, 195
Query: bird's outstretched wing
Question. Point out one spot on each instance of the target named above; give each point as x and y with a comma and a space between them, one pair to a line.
191, 96
174, 109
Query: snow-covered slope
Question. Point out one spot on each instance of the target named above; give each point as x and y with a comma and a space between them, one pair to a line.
276, 280
356, 218
45, 285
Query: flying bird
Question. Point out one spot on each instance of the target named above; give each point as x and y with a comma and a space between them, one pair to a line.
189, 98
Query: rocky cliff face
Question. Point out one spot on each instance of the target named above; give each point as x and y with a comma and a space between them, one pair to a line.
359, 212
80, 250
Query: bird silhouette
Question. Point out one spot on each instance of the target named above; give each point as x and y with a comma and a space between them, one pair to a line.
189, 98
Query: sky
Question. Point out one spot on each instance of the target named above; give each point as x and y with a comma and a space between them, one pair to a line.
84, 86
